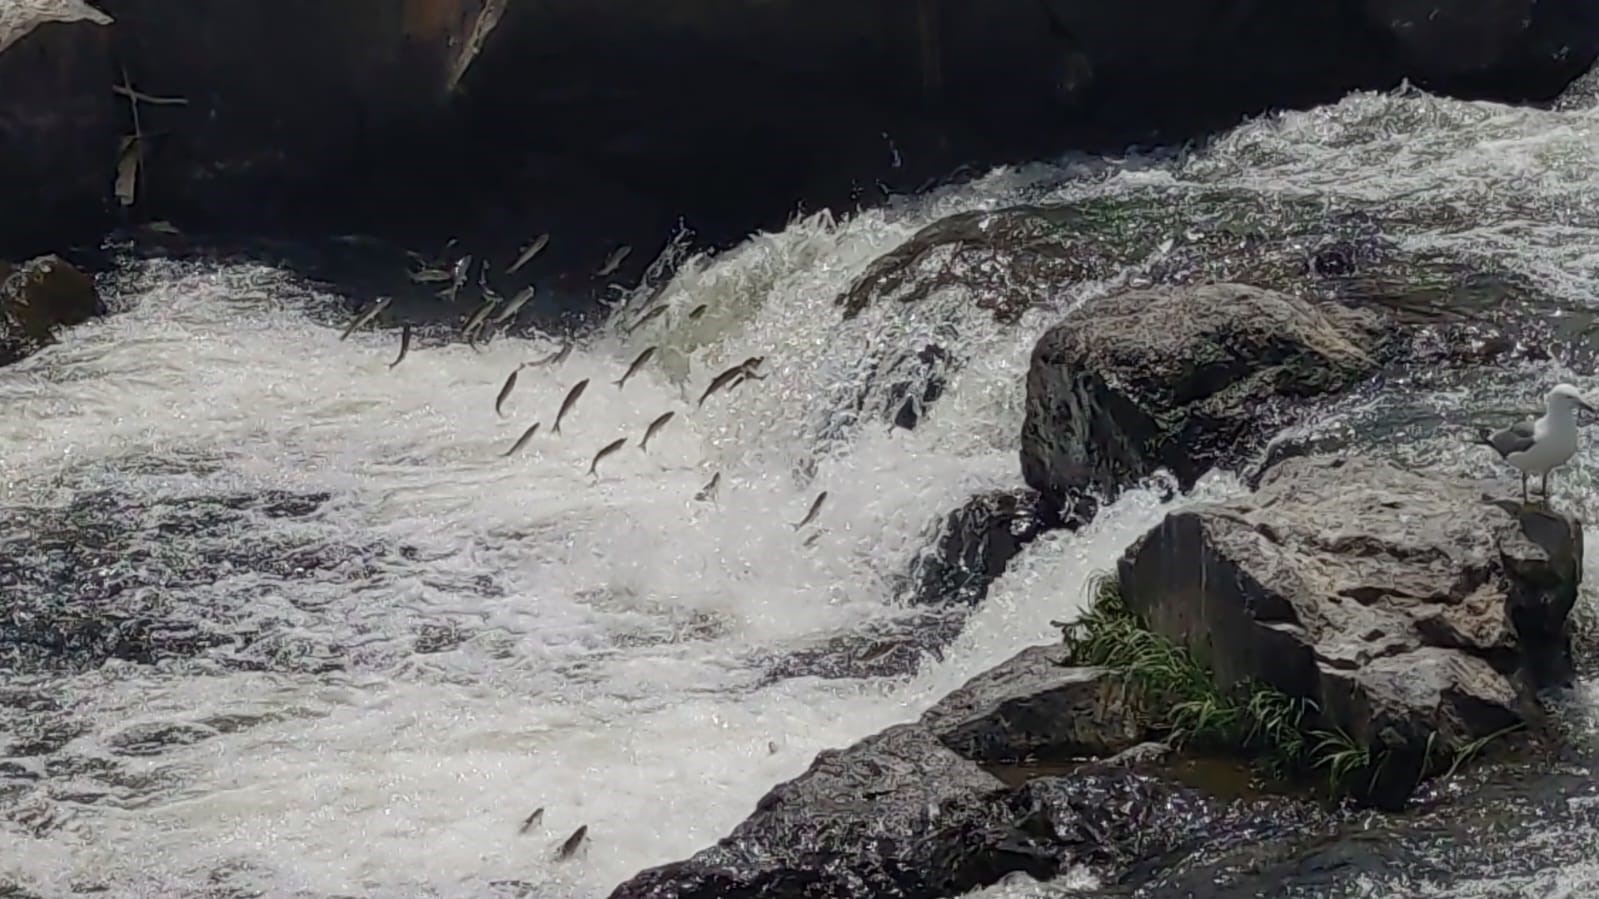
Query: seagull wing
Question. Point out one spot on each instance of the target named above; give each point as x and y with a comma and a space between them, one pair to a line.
1518, 438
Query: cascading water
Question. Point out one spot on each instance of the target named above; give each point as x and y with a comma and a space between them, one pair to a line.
285, 622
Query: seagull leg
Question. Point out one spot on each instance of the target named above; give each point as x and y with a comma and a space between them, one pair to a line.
1524, 488
1546, 488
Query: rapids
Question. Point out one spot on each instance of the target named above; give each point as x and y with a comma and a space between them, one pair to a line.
283, 622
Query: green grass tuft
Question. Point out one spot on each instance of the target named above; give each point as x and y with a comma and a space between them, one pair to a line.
1184, 705
1188, 708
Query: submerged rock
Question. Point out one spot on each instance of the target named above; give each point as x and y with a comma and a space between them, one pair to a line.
1009, 259
888, 649
975, 544
57, 115
38, 297
1183, 378
919, 380
1034, 706
1418, 614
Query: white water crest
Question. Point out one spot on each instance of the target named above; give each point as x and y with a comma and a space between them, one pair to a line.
471, 637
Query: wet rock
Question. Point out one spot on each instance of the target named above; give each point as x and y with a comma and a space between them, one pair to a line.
890, 815
976, 543
1150, 753
56, 123
898, 814
1035, 706
1417, 613
1183, 379
38, 297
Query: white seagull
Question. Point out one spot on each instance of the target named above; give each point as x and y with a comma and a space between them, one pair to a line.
1539, 446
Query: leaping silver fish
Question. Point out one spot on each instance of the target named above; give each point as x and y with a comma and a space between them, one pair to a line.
405, 344
532, 250
614, 261
367, 316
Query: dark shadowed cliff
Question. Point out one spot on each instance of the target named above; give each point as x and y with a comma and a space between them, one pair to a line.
608, 121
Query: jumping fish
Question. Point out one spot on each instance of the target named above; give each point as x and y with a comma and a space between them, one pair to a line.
645, 319
517, 302
521, 441
478, 318
505, 392
367, 316
655, 425
637, 364
458, 273
430, 276
614, 261
532, 250
708, 492
695, 313
405, 344
555, 358
474, 325
606, 450
572, 843
536, 817
569, 402
815, 508
483, 282
739, 372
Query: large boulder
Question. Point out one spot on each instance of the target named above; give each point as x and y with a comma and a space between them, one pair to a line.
38, 297
57, 138
1418, 614
1178, 378
1034, 706
898, 814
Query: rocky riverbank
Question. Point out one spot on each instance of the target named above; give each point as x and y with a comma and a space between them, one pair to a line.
609, 122
1349, 630
1349, 621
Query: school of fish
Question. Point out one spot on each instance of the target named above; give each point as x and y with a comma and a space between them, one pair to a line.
488, 316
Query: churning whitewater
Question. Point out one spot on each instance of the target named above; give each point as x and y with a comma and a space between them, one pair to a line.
387, 643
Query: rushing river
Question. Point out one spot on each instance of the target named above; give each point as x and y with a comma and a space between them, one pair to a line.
283, 621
